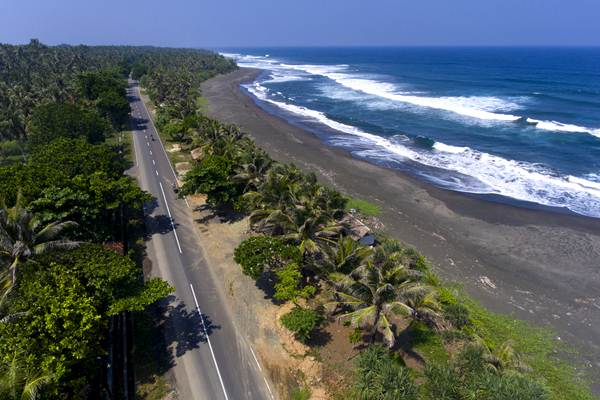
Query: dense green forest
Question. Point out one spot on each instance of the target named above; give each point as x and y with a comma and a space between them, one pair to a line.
387, 293
69, 215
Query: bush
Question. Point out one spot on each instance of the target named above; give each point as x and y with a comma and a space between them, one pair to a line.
211, 176
300, 394
290, 285
379, 376
257, 253
454, 311
457, 314
302, 322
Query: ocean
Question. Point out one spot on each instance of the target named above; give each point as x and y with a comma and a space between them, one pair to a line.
518, 125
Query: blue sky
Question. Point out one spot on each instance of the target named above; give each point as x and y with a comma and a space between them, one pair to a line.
219, 23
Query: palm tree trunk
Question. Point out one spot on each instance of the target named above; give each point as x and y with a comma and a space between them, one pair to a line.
374, 331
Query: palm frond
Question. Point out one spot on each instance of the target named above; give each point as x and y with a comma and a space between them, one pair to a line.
63, 244
53, 230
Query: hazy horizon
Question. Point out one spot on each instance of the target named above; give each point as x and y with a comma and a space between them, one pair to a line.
266, 23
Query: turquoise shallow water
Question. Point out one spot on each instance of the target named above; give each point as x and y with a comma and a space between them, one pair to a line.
519, 124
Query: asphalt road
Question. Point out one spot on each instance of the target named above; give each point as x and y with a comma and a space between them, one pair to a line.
212, 360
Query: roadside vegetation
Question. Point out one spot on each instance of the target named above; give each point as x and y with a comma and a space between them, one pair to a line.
302, 244
70, 276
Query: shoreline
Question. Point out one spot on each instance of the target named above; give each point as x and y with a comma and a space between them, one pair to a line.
537, 265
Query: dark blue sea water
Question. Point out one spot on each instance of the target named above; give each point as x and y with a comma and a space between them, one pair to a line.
515, 123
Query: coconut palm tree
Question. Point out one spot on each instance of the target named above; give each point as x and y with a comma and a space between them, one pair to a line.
17, 382
22, 235
344, 257
302, 224
281, 188
252, 172
372, 296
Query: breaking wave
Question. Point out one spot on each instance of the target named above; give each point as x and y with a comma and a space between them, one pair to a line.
465, 169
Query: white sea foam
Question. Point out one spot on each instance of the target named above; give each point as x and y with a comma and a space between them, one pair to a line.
493, 174
279, 78
560, 127
449, 148
485, 108
473, 106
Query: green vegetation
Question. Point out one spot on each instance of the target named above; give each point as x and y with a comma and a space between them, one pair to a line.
302, 322
387, 294
258, 253
364, 207
381, 377
65, 203
475, 373
300, 394
56, 120
289, 286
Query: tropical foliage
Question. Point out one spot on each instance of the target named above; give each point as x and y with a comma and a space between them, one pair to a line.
64, 202
301, 321
381, 377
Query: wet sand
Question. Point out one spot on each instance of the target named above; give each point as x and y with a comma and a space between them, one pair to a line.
537, 265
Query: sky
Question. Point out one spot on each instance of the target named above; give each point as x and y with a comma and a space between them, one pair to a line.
247, 23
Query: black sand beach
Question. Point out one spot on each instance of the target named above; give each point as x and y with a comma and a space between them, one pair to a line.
536, 265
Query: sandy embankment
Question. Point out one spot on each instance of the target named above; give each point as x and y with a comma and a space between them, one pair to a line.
540, 266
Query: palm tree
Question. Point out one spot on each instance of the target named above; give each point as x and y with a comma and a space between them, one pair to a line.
346, 256
253, 170
22, 235
372, 296
281, 188
302, 224
17, 382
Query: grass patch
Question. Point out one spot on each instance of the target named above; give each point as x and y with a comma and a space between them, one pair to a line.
300, 394
539, 347
364, 207
427, 343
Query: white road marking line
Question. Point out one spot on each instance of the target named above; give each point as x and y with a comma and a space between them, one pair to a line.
209, 344
135, 152
170, 217
186, 202
156, 172
150, 152
159, 140
268, 387
148, 143
153, 162
255, 359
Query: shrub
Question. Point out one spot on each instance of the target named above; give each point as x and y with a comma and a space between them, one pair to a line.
457, 314
454, 311
289, 285
301, 321
379, 376
300, 394
211, 176
356, 336
257, 253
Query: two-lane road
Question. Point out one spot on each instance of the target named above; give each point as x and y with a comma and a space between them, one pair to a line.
212, 359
